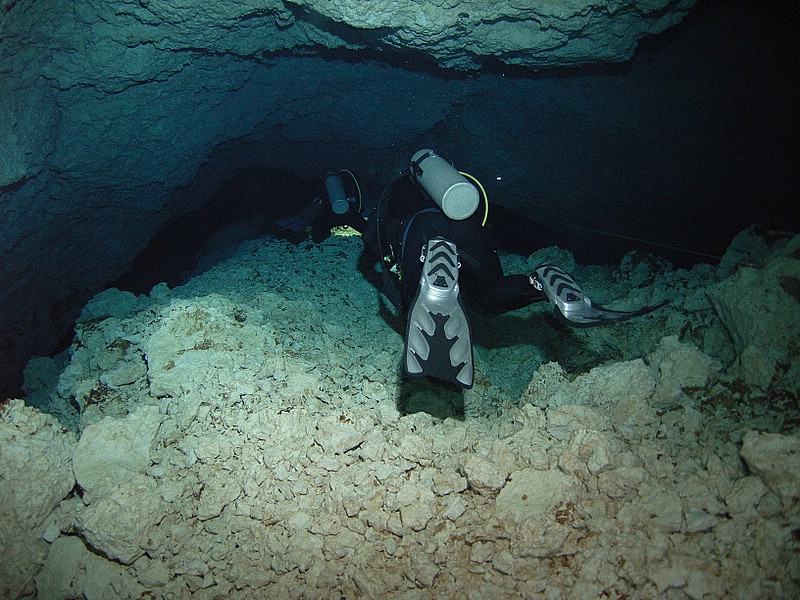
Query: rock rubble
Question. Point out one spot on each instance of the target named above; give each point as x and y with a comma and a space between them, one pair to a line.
255, 448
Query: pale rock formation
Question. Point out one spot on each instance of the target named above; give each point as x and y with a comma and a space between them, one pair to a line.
35, 475
775, 458
463, 34
759, 304
274, 466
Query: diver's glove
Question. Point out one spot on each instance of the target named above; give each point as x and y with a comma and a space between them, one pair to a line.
572, 306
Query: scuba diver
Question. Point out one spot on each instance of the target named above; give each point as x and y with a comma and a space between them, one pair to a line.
434, 247
344, 207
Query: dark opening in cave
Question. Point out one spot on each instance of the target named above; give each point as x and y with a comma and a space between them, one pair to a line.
247, 206
244, 207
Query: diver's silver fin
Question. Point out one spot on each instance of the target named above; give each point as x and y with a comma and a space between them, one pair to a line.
438, 336
573, 306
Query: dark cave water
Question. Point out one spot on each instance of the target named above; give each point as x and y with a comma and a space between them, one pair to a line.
248, 205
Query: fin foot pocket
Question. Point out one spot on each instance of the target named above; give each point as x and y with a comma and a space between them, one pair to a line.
438, 336
572, 306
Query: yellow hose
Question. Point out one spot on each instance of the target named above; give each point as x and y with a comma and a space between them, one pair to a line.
483, 192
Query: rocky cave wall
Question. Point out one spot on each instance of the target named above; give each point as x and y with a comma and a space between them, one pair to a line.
119, 116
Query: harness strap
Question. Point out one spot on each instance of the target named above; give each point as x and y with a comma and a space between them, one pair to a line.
408, 226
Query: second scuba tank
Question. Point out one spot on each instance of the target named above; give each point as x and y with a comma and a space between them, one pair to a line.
336, 195
448, 188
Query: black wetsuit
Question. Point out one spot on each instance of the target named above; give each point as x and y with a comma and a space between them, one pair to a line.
402, 223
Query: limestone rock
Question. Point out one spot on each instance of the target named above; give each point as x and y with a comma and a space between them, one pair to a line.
545, 536
455, 508
193, 344
545, 388
418, 514
72, 571
745, 494
218, 491
668, 578
105, 364
35, 445
699, 520
622, 481
275, 473
531, 35
118, 524
152, 573
760, 308
748, 247
532, 494
112, 303
775, 458
35, 475
337, 434
60, 577
603, 387
41, 377
680, 366
632, 390
663, 510
564, 420
447, 483
113, 450
422, 570
589, 453
483, 475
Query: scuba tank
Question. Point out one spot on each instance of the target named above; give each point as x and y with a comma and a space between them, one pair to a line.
339, 199
448, 188
336, 195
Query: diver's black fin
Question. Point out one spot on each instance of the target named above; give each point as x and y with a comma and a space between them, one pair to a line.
301, 222
573, 307
292, 224
438, 336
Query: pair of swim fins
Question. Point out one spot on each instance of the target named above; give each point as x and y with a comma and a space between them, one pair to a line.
438, 334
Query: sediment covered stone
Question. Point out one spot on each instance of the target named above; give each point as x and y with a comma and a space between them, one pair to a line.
483, 475
113, 450
775, 458
35, 475
759, 304
271, 472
